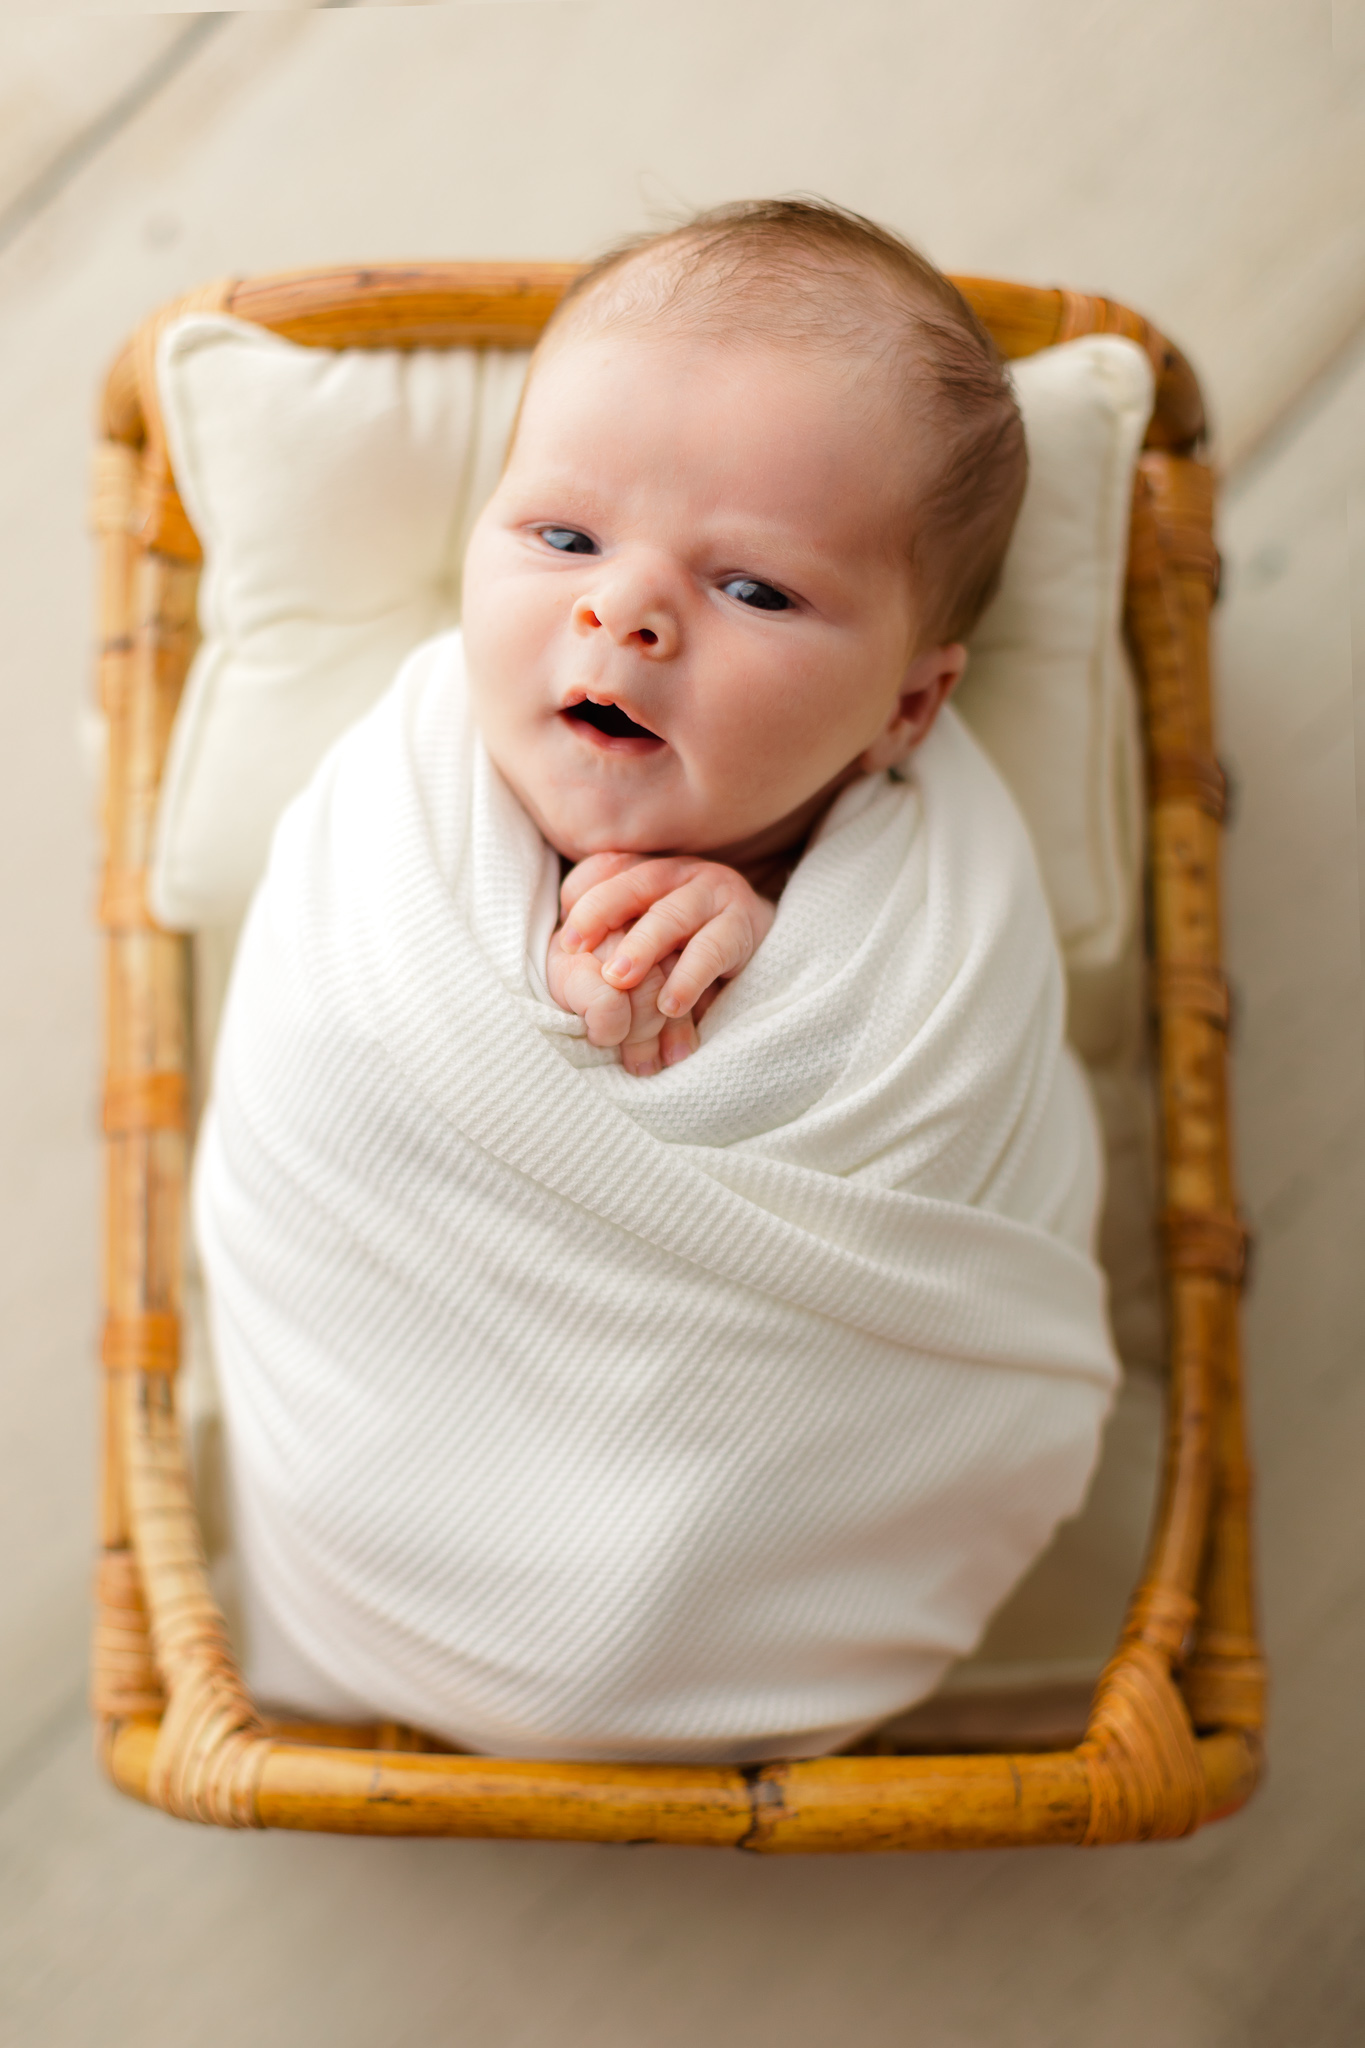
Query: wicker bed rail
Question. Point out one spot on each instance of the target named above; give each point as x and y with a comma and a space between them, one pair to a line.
1173, 1738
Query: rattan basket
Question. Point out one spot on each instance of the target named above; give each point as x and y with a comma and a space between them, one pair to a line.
1173, 1737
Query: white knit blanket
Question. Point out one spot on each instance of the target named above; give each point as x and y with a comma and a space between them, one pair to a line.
706, 1416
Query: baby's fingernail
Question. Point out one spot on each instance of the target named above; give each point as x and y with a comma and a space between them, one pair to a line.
618, 966
570, 939
669, 1005
677, 1049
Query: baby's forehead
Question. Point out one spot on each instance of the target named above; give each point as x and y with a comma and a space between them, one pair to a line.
744, 392
790, 428
797, 372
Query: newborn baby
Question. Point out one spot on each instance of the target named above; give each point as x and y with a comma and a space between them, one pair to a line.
704, 598
646, 1199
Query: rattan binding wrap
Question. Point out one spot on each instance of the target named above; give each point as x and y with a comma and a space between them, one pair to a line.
1173, 1737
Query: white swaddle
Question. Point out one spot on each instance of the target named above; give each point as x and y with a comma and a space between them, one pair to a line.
699, 1417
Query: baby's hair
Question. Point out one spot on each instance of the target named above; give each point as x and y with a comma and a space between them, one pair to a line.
805, 273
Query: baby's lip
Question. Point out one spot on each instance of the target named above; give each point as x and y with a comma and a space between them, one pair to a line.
607, 725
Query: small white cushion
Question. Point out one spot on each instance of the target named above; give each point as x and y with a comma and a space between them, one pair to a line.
334, 492
1049, 691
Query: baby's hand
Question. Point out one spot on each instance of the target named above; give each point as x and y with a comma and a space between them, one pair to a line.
692, 923
630, 1019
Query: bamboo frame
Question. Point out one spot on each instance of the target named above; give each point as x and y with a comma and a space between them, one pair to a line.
1173, 1738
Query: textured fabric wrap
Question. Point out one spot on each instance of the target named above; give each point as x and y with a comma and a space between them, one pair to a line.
700, 1417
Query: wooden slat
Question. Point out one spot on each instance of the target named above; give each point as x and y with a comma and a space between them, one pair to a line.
123, 901
145, 1102
1180, 985
420, 305
834, 1803
1201, 1241
1179, 775
141, 1343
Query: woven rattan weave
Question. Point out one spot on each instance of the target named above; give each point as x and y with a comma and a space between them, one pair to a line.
1174, 1732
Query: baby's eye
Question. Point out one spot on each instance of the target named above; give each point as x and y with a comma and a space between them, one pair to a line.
568, 540
761, 596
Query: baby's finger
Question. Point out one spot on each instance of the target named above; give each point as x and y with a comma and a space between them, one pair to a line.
615, 901
579, 987
642, 1048
669, 923
641, 1056
718, 950
607, 1015
677, 1040
717, 940
588, 875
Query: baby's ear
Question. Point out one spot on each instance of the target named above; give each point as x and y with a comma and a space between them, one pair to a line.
929, 682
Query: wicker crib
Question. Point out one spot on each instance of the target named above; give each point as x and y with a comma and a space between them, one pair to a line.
1173, 1737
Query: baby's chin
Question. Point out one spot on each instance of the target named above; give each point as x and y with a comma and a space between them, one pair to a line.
579, 841
579, 819
645, 808
578, 831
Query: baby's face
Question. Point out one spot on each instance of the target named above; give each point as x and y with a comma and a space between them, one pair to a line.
700, 542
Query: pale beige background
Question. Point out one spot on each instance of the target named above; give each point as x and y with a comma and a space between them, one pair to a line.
1203, 159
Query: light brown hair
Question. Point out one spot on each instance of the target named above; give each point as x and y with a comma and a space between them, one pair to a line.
806, 273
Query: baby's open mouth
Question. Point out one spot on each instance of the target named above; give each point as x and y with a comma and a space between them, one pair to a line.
613, 726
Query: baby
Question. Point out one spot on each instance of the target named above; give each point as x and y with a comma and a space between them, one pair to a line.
762, 482
707, 1419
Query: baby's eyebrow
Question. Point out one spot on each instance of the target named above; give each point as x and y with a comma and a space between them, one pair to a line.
546, 480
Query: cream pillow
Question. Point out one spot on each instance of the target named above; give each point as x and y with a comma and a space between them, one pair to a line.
1049, 690
334, 492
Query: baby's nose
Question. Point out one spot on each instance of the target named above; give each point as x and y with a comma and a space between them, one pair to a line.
630, 619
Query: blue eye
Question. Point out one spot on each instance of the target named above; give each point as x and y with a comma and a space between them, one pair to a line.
568, 540
761, 596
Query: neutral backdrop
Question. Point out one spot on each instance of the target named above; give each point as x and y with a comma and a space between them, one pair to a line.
1203, 160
